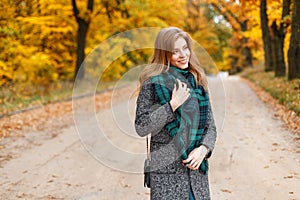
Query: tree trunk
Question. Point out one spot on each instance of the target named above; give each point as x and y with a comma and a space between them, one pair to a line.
274, 47
83, 26
294, 49
278, 55
278, 37
81, 38
246, 51
269, 65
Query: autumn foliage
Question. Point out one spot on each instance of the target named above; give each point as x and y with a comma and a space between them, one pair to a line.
39, 38
37, 42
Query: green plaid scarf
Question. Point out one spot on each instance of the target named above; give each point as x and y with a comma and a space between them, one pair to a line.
190, 117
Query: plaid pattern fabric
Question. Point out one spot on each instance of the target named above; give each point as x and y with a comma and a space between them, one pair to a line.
191, 116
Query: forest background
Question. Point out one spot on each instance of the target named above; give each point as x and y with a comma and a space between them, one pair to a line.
43, 42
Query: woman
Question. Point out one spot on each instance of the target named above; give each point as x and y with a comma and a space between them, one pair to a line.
173, 106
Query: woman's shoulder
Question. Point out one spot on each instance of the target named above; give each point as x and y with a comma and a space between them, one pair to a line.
160, 79
147, 81
150, 82
147, 84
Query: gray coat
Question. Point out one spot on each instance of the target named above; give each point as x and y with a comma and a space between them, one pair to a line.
169, 178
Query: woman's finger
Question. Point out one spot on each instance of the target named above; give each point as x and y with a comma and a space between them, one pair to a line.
183, 85
191, 163
187, 160
193, 160
195, 164
198, 165
175, 87
187, 94
179, 83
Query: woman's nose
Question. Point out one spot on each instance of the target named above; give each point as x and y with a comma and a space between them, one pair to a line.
182, 53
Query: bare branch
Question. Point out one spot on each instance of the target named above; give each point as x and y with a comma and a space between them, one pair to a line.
90, 5
75, 10
225, 15
285, 11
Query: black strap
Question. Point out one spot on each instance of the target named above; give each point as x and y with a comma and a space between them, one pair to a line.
147, 148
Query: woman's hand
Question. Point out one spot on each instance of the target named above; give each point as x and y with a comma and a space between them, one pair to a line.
196, 157
179, 95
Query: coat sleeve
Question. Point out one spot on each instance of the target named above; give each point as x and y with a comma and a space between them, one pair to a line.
209, 137
150, 116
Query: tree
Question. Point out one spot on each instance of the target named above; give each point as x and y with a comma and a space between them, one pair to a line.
294, 49
235, 14
277, 40
37, 44
266, 36
83, 20
214, 37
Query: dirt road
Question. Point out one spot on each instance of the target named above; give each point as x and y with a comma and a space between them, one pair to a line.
254, 158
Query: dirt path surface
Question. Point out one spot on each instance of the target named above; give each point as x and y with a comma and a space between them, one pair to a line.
254, 158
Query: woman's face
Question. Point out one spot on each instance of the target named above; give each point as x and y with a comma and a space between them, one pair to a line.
181, 54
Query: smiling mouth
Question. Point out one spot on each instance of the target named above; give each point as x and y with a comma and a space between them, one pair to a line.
182, 61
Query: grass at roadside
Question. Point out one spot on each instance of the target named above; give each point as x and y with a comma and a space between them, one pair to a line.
286, 92
23, 97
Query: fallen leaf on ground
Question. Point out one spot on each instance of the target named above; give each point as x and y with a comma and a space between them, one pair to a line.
226, 190
291, 120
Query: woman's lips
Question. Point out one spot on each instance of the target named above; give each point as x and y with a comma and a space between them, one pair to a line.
182, 61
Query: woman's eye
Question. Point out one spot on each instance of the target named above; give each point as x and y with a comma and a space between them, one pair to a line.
175, 51
185, 48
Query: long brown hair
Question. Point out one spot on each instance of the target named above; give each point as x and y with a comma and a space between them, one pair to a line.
163, 48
